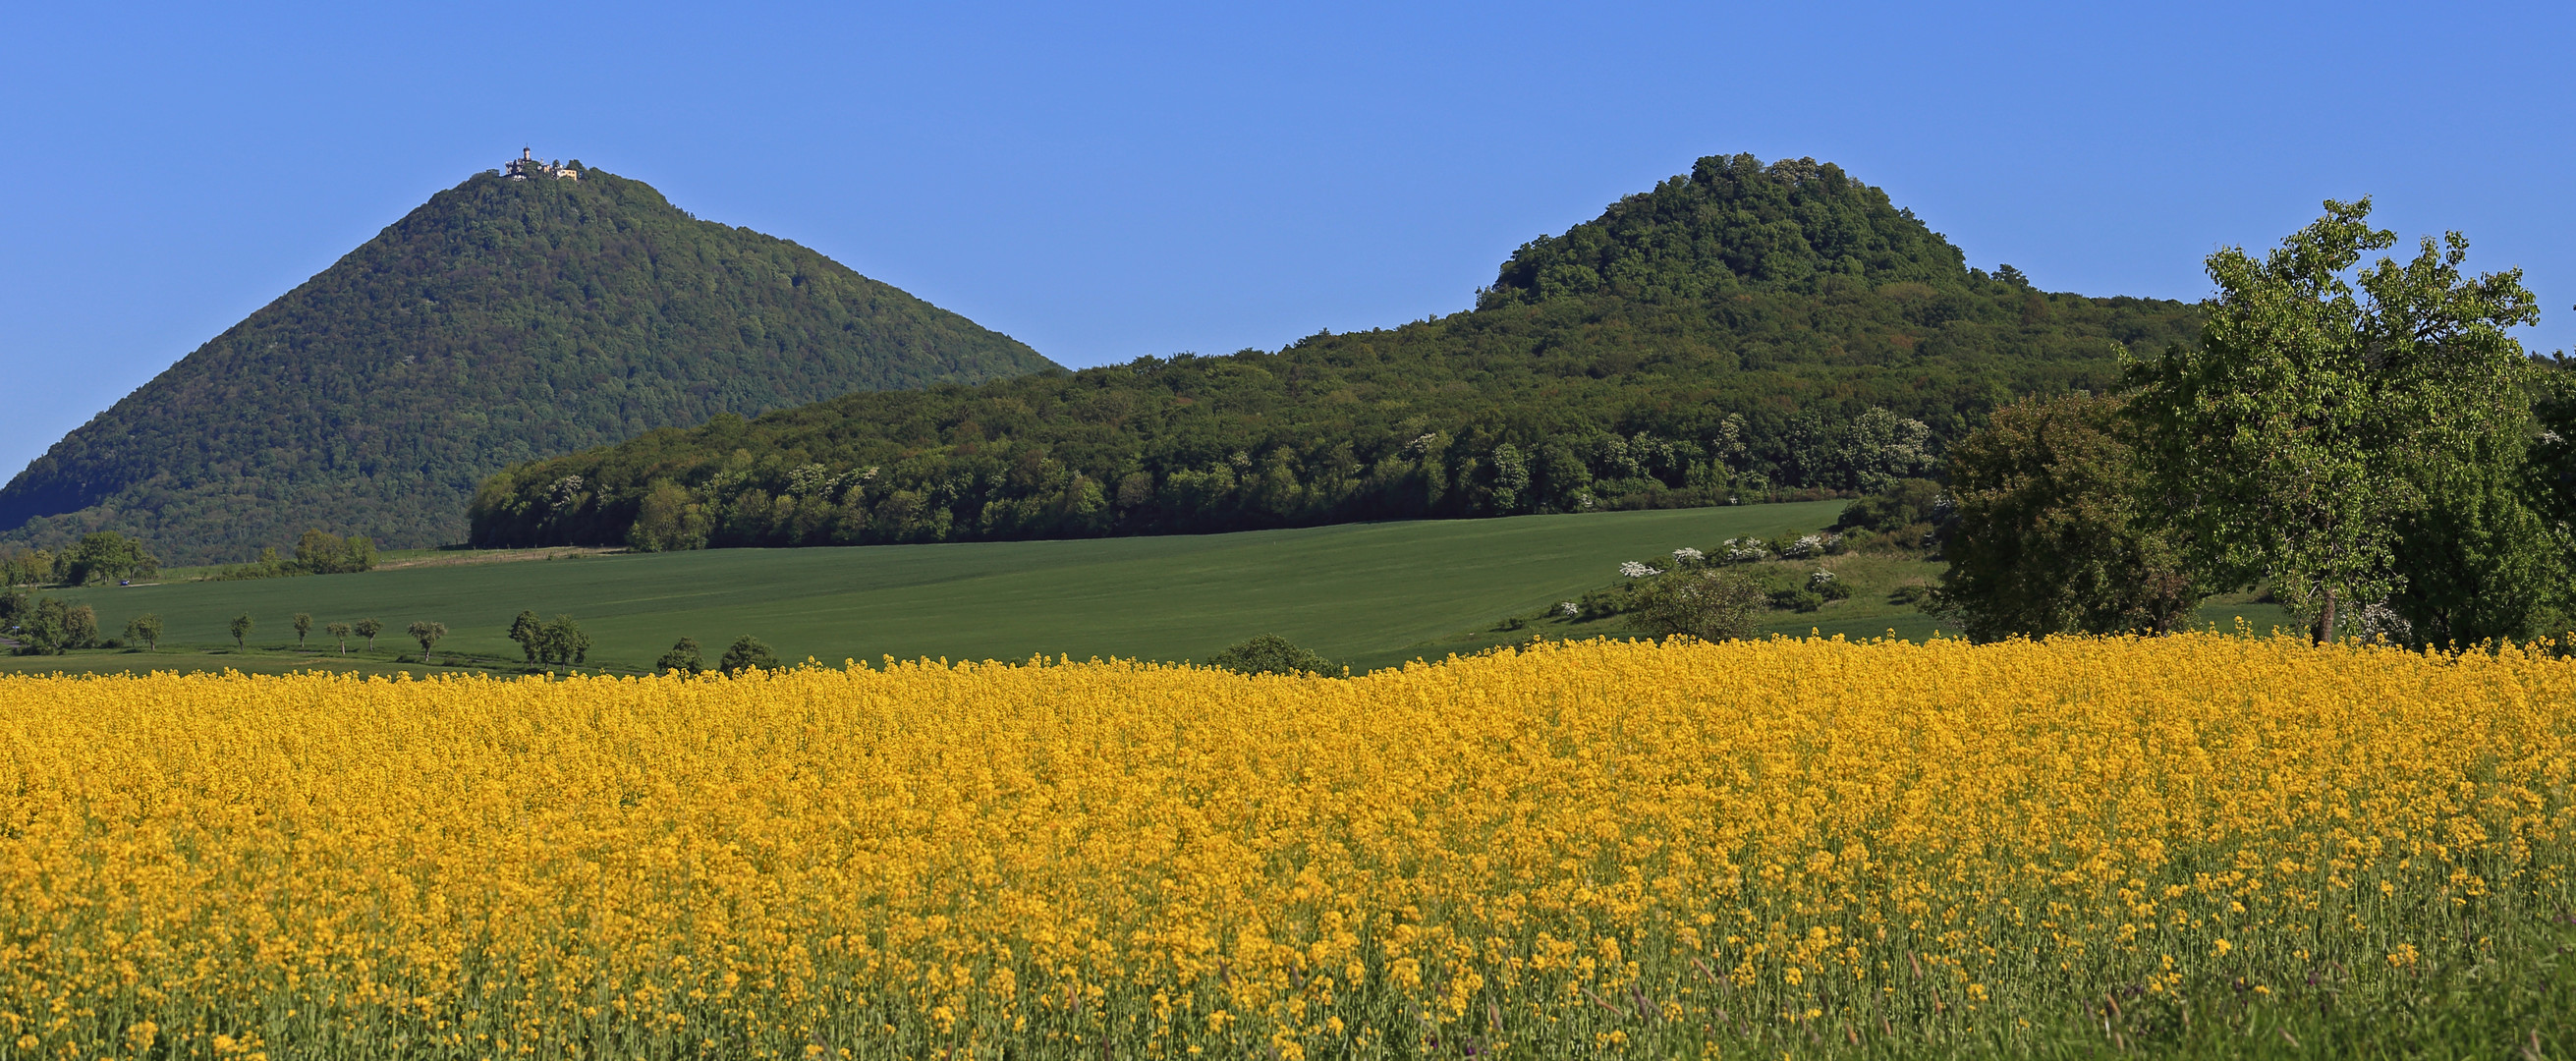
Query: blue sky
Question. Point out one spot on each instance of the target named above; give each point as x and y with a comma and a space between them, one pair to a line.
1107, 181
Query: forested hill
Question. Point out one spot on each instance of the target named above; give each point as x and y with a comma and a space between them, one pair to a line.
502, 321
1745, 331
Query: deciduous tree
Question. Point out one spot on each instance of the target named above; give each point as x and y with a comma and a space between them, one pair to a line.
145, 628
2325, 403
1706, 603
524, 630
683, 658
2055, 529
427, 633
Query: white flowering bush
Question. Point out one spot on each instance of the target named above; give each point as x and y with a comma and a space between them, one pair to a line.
1686, 556
1818, 580
2381, 625
1635, 569
1806, 546
1569, 609
1743, 550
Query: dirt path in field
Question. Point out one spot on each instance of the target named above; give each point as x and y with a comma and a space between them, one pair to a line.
505, 556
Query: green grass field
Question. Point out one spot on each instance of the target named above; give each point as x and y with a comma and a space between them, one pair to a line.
1370, 595
1362, 593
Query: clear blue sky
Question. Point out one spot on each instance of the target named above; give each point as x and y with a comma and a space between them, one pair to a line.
1106, 181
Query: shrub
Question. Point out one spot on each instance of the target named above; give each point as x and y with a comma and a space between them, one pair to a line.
321, 552
1602, 603
1269, 654
683, 658
1712, 605
747, 653
1904, 504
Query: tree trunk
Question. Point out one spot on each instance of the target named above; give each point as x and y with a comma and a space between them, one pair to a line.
2326, 620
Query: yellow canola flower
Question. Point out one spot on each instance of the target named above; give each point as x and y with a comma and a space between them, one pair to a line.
1568, 848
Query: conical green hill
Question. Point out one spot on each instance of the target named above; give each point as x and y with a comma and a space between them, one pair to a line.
504, 320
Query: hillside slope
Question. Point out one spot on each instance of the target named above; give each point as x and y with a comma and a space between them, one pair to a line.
502, 321
1742, 331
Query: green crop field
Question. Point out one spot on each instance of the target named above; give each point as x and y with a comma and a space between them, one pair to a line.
1361, 593
1370, 595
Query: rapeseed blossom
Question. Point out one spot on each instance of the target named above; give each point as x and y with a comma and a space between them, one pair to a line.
1593, 848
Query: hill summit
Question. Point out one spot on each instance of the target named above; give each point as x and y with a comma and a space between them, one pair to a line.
515, 316
1740, 332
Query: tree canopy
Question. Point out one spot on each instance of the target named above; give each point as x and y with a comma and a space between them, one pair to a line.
2331, 407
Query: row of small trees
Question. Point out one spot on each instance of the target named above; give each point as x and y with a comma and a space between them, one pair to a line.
46, 626
241, 627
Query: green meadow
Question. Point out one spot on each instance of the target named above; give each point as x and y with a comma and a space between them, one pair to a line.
1370, 595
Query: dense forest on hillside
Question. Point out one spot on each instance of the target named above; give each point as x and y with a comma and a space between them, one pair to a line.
1742, 332
502, 321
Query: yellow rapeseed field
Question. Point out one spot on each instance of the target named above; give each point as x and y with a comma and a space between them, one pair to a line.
1590, 848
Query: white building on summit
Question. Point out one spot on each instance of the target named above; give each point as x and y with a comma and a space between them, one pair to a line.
526, 166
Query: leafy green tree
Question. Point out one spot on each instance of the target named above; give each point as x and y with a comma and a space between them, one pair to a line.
427, 633
562, 641
104, 557
43, 630
683, 658
303, 625
668, 518
1269, 654
80, 626
525, 629
369, 628
2320, 408
241, 628
747, 653
2479, 561
1710, 604
2057, 530
145, 628
1902, 504
24, 567
339, 632
15, 606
